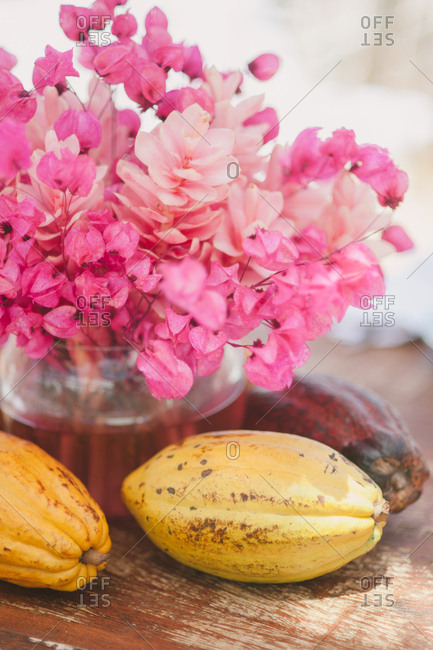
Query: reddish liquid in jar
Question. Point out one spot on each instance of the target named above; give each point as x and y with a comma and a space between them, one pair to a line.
102, 460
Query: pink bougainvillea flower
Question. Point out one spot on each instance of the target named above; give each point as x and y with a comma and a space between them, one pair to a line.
23, 323
396, 236
75, 21
112, 63
179, 100
129, 119
9, 279
360, 273
270, 249
146, 84
84, 124
166, 375
121, 239
264, 67
340, 149
52, 69
112, 289
60, 321
158, 42
184, 285
16, 104
170, 56
206, 341
42, 283
69, 172
302, 162
83, 246
7, 60
193, 62
124, 26
376, 168
156, 18
15, 149
266, 367
190, 236
175, 326
18, 220
139, 272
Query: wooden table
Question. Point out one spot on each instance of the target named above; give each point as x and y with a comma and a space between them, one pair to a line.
147, 600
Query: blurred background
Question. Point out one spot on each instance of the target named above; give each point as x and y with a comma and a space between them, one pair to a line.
365, 65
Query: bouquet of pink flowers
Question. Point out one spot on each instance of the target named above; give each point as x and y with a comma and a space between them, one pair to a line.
185, 239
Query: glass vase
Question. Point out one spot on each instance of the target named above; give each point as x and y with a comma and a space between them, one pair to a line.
90, 408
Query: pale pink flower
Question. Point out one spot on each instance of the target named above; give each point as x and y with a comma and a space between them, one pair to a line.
186, 161
248, 208
267, 116
352, 212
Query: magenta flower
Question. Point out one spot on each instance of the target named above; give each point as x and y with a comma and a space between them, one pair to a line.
181, 99
188, 237
61, 322
264, 66
53, 68
112, 63
84, 124
69, 172
15, 149
15, 103
193, 62
124, 26
84, 247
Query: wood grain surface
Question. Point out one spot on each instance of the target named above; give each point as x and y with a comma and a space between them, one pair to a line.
147, 600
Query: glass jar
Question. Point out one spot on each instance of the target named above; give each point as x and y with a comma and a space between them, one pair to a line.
90, 408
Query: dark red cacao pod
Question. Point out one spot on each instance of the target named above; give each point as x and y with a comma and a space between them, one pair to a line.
354, 421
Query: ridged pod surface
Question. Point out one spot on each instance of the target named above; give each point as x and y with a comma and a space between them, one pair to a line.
52, 533
256, 506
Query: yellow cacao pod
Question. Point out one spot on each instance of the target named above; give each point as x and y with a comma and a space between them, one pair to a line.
256, 506
52, 533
